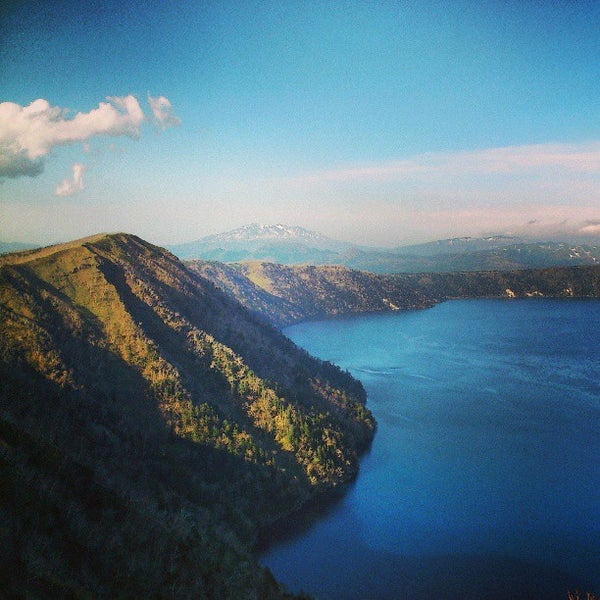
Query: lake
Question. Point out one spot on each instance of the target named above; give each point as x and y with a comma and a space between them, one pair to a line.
483, 480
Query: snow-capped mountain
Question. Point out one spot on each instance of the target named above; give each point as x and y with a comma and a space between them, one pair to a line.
256, 232
275, 243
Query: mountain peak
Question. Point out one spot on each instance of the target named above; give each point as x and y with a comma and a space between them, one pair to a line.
259, 231
262, 242
115, 244
24, 256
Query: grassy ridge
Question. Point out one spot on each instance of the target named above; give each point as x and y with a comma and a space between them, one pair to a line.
149, 426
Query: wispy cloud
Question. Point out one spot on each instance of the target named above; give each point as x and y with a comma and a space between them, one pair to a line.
69, 187
28, 134
538, 190
163, 112
590, 228
510, 160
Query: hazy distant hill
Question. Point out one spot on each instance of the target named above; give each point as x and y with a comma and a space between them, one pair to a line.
150, 425
14, 246
522, 255
285, 294
459, 245
294, 245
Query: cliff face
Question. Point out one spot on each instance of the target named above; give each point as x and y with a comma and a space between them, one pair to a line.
149, 425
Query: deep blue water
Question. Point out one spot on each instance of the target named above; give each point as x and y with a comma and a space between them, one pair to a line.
484, 477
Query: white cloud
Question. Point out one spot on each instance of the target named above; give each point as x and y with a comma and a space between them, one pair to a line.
29, 133
69, 187
163, 112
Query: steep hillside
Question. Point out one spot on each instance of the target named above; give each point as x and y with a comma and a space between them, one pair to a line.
286, 294
150, 425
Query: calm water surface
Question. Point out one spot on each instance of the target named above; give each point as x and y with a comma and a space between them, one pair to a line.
484, 477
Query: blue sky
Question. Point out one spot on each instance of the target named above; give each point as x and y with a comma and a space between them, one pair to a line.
379, 122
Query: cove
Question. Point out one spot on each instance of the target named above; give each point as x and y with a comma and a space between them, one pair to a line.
483, 480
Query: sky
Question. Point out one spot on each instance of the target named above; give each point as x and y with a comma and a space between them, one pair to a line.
382, 123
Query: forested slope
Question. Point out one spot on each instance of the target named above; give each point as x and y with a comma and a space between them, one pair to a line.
150, 425
285, 294
553, 282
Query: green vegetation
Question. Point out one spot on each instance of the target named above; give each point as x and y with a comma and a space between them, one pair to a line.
555, 282
285, 294
150, 427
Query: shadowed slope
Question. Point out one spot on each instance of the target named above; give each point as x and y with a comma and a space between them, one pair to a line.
285, 294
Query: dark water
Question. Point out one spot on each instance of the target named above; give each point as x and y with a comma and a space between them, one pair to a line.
484, 477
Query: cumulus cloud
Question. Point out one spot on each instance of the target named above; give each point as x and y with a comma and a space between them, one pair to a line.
29, 133
163, 112
69, 187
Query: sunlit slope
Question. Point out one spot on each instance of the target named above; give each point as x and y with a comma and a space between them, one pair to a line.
146, 416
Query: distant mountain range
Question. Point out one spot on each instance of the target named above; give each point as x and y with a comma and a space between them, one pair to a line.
295, 245
460, 245
513, 256
254, 235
